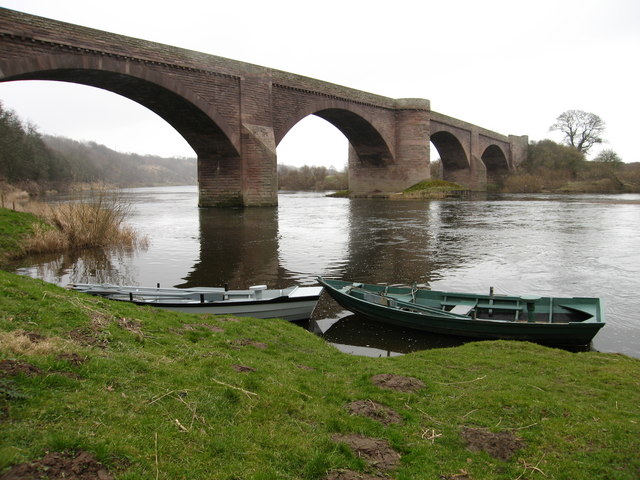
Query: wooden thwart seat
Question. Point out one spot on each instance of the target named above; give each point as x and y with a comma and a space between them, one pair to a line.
463, 307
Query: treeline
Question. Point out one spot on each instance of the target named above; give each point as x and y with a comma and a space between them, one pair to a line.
24, 155
552, 167
36, 161
311, 178
100, 163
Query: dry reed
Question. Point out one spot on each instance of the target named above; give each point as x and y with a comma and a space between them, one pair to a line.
98, 221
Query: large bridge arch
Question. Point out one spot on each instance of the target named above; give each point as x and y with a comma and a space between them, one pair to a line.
496, 163
453, 156
365, 138
197, 121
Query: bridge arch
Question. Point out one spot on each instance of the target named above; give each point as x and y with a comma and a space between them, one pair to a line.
196, 120
453, 157
494, 159
364, 137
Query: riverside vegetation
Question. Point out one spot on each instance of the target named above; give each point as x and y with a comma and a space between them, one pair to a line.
98, 222
102, 389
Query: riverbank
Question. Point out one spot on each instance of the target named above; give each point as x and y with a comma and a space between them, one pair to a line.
155, 394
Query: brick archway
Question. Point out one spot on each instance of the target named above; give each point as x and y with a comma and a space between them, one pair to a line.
197, 121
367, 141
452, 155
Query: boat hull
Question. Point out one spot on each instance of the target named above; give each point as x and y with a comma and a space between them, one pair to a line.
290, 310
561, 333
291, 304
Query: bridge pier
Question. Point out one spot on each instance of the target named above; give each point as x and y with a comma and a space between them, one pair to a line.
250, 179
220, 182
410, 163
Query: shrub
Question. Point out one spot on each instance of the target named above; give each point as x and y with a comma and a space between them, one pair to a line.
524, 183
96, 222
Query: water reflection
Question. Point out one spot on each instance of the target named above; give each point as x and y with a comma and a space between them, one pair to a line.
236, 245
84, 266
354, 331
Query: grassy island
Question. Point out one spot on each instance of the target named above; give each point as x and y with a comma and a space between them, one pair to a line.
111, 390
433, 189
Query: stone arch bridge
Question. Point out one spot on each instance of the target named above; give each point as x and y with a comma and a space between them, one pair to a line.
234, 114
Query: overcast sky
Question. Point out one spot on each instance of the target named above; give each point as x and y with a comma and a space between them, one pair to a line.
506, 65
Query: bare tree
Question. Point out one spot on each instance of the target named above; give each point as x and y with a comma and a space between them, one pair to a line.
581, 130
608, 156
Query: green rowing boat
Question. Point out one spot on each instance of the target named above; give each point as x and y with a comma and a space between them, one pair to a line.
548, 320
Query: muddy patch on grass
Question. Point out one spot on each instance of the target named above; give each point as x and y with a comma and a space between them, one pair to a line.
10, 367
95, 334
130, 325
14, 367
34, 337
376, 452
463, 475
305, 367
351, 475
397, 382
375, 411
243, 368
73, 358
60, 465
89, 337
499, 445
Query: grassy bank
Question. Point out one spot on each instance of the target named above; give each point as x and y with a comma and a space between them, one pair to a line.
156, 394
15, 228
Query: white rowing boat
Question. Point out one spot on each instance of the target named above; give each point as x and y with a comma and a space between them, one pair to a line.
291, 304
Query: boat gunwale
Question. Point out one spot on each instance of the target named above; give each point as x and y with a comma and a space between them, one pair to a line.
218, 303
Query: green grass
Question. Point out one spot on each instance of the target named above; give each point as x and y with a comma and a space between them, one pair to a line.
158, 397
14, 227
432, 189
339, 194
434, 185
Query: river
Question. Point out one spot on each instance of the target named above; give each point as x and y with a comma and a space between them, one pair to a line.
579, 245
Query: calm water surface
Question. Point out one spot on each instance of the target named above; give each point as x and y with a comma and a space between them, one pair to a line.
586, 245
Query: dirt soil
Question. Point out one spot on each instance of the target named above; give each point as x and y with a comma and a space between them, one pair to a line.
397, 382
499, 445
376, 452
375, 411
34, 337
73, 358
14, 367
57, 466
305, 367
243, 368
463, 475
351, 475
88, 336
